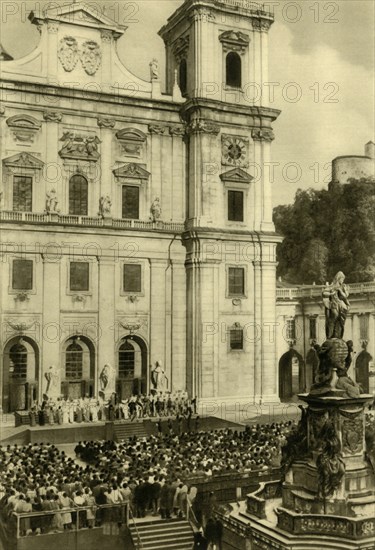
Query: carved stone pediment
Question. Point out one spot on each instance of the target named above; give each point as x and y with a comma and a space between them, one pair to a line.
24, 121
237, 175
131, 141
132, 170
80, 147
23, 128
77, 14
234, 41
23, 160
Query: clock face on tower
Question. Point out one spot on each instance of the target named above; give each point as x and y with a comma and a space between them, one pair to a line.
234, 151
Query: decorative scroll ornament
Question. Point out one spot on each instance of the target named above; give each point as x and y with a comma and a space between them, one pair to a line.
52, 116
177, 130
156, 129
203, 126
91, 57
21, 327
261, 25
262, 134
131, 327
68, 53
106, 122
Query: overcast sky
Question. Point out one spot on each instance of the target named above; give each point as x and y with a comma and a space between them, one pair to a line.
326, 47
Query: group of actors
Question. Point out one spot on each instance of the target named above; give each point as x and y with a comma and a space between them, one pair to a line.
86, 409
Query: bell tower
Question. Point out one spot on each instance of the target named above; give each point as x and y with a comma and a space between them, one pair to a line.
217, 50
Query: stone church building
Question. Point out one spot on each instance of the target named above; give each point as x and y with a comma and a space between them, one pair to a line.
136, 223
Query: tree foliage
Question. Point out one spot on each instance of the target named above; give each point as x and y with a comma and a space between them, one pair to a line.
328, 231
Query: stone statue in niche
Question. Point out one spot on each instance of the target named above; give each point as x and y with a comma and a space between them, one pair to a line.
52, 202
105, 205
154, 69
155, 210
336, 303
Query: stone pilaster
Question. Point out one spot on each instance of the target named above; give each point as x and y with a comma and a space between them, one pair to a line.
51, 320
106, 299
157, 313
105, 177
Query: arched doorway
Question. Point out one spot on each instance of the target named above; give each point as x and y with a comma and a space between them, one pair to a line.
78, 372
131, 367
362, 370
290, 374
20, 374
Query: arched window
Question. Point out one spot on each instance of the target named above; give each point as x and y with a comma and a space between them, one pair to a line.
78, 195
126, 360
18, 361
233, 70
182, 77
74, 362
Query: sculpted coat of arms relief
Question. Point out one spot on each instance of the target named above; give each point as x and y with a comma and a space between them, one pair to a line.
89, 54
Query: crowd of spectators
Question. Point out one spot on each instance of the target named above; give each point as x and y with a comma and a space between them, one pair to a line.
154, 475
67, 411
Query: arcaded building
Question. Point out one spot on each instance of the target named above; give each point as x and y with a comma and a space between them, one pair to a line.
136, 223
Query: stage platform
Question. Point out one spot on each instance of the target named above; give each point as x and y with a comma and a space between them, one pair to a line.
88, 431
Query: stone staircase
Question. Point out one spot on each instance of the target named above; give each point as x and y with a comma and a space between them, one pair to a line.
124, 430
173, 534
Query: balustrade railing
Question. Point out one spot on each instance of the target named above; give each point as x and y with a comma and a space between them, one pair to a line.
75, 518
316, 291
89, 221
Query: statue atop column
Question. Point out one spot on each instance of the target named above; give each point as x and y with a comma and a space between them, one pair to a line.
336, 303
335, 355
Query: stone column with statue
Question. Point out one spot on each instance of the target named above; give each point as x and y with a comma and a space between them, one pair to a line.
328, 461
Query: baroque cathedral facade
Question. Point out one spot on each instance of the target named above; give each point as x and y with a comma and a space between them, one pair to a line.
136, 223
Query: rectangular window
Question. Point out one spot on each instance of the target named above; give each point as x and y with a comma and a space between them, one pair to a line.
132, 278
79, 276
130, 202
312, 327
22, 193
236, 281
22, 275
235, 206
236, 339
363, 327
